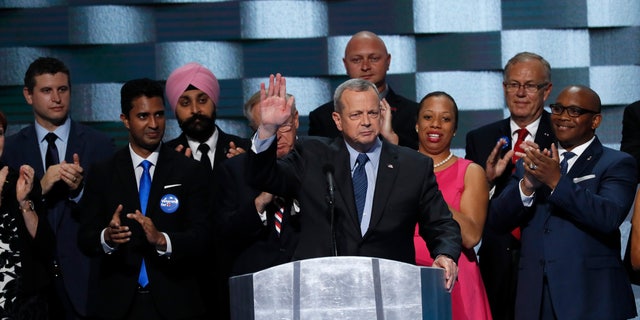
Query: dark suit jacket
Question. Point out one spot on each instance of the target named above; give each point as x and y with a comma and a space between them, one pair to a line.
92, 146
255, 246
403, 121
573, 235
499, 251
406, 193
481, 141
34, 254
173, 280
631, 131
221, 293
221, 146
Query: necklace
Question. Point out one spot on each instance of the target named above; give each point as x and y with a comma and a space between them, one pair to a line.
444, 161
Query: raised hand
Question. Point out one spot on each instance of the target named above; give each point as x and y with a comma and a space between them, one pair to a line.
275, 108
24, 185
3, 179
187, 150
385, 117
495, 165
71, 173
234, 150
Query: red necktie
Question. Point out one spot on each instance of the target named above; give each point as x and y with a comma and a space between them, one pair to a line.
517, 147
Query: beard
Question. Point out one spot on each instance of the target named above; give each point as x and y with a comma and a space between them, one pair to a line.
199, 126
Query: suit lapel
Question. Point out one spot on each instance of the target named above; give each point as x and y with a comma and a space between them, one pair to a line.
545, 136
164, 166
75, 143
32, 151
385, 180
587, 160
125, 171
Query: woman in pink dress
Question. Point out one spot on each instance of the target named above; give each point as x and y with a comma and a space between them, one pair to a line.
464, 187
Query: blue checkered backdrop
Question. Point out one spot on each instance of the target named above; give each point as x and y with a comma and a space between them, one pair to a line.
456, 46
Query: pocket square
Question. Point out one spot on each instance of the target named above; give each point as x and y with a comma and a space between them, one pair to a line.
583, 178
172, 185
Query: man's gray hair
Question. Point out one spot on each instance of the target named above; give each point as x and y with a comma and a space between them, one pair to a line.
356, 84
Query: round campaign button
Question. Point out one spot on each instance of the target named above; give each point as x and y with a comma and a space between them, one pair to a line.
506, 145
169, 203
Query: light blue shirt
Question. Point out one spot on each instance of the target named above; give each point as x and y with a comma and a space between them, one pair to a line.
371, 168
61, 143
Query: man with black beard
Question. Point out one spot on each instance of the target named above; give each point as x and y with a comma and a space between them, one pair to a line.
193, 93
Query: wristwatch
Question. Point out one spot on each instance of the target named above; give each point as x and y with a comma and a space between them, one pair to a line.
30, 206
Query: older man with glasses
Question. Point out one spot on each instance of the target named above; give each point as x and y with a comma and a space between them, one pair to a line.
497, 147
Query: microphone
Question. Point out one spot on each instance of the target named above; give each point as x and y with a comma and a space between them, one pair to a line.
328, 169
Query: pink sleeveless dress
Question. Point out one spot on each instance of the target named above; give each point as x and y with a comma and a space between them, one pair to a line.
468, 298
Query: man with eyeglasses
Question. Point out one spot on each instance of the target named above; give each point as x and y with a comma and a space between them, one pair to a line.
397, 186
570, 200
260, 228
496, 146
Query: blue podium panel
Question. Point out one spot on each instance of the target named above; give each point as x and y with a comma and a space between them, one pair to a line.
341, 288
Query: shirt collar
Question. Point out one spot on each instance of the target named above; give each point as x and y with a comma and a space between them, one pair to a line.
212, 142
62, 131
531, 127
373, 154
136, 159
578, 150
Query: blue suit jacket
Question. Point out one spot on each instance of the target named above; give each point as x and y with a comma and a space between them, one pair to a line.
92, 146
572, 234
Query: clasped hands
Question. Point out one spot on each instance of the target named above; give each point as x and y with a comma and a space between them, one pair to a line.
117, 234
69, 173
542, 167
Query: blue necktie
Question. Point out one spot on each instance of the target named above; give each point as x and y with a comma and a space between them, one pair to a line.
145, 186
360, 183
564, 164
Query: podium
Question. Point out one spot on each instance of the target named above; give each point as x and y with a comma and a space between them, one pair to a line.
341, 288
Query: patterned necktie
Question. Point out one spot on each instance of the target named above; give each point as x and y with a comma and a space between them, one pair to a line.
522, 134
360, 183
564, 164
204, 158
278, 215
52, 156
143, 191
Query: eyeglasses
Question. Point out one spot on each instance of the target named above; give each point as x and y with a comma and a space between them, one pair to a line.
572, 111
285, 127
358, 115
528, 87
